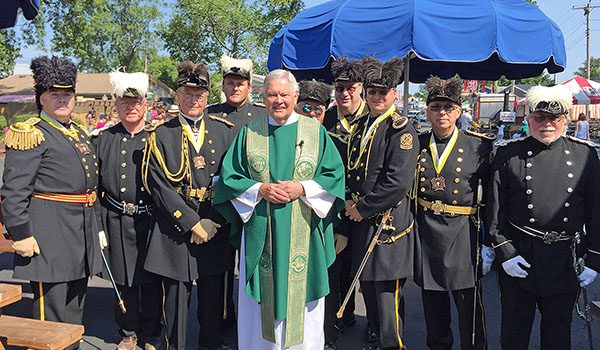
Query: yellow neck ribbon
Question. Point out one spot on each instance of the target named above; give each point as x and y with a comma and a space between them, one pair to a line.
195, 139
55, 124
439, 162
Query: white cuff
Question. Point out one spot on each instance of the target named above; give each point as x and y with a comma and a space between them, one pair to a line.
317, 198
245, 203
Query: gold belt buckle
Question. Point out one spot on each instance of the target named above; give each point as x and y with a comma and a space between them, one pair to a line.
438, 207
91, 198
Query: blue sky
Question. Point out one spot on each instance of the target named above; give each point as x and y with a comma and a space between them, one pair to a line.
571, 22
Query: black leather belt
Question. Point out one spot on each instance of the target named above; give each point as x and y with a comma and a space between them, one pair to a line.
128, 208
547, 237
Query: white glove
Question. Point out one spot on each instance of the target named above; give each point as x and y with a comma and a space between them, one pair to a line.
203, 231
587, 276
340, 242
26, 247
513, 269
488, 255
103, 240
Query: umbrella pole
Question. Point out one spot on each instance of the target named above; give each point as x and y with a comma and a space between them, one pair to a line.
406, 83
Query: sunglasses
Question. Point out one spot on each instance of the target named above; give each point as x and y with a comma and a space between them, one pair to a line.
381, 92
340, 88
552, 118
447, 108
306, 108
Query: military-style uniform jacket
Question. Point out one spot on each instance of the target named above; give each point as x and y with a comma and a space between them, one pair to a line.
67, 233
552, 189
239, 116
378, 180
126, 204
339, 127
179, 204
446, 241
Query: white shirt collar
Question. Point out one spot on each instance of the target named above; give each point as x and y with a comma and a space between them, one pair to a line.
292, 119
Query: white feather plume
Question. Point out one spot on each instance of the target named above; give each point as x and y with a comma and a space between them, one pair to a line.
122, 81
244, 64
558, 93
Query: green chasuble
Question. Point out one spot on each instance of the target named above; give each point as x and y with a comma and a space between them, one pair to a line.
236, 179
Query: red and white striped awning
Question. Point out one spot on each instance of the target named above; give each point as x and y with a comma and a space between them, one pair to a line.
594, 111
585, 92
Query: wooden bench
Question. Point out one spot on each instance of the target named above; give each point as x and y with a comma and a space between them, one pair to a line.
36, 334
595, 307
30, 333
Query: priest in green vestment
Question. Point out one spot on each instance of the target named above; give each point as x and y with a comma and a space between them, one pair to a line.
279, 180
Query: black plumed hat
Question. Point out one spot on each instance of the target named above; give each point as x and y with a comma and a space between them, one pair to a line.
383, 75
344, 70
52, 73
193, 74
314, 90
446, 90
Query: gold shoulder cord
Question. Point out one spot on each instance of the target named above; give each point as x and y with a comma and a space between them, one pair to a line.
24, 135
184, 170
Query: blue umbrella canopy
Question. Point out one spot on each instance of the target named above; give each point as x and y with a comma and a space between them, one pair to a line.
8, 15
477, 39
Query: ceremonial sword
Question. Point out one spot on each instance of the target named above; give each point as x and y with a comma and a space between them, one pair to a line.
386, 217
112, 280
579, 264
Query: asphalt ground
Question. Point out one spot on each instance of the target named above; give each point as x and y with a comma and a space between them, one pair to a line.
101, 331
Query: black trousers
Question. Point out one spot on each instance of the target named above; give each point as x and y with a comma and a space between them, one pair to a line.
210, 310
340, 279
142, 319
518, 312
60, 302
176, 301
386, 297
436, 306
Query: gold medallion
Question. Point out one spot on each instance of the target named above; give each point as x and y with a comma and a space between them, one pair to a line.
83, 148
438, 183
199, 162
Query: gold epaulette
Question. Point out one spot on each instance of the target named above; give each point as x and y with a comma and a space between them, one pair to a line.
24, 135
152, 126
480, 135
398, 121
222, 120
585, 142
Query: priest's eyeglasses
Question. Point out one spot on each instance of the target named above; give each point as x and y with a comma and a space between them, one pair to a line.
306, 108
447, 108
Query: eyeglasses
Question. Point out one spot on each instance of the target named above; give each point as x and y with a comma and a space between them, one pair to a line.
552, 118
447, 108
194, 97
137, 103
306, 108
341, 88
381, 92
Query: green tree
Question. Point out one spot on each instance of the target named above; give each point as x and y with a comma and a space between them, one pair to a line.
202, 30
543, 79
103, 35
594, 69
422, 93
9, 51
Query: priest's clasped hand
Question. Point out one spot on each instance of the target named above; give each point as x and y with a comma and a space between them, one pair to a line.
203, 231
281, 192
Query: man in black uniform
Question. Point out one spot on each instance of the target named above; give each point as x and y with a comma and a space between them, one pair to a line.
126, 213
48, 196
239, 110
453, 166
382, 155
544, 192
313, 98
237, 85
186, 244
339, 120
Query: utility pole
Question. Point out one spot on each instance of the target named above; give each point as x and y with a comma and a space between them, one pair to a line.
586, 12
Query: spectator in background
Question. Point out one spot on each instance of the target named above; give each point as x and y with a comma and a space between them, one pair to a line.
101, 121
466, 119
582, 130
91, 122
